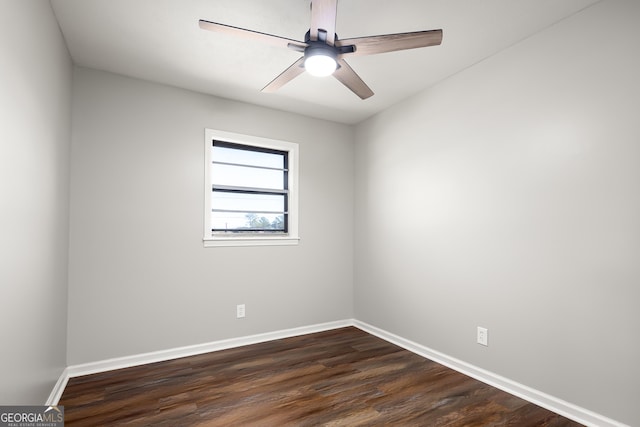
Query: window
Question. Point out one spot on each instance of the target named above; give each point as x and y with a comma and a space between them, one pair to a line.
250, 190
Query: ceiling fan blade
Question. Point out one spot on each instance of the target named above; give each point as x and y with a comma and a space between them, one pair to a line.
350, 79
251, 35
392, 42
285, 77
323, 17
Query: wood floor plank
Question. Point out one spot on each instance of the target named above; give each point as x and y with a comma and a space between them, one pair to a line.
342, 377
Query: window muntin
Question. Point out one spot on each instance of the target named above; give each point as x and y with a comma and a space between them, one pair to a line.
246, 176
251, 190
229, 153
231, 201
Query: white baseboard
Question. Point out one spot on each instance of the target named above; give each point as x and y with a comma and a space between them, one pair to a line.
559, 406
58, 389
176, 353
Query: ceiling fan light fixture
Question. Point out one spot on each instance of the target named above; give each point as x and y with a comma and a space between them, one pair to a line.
320, 65
320, 60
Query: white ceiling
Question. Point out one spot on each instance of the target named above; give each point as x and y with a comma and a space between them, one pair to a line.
160, 41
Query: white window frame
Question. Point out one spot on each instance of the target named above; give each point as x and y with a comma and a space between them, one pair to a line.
291, 237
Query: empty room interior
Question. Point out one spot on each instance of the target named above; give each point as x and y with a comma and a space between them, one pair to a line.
484, 186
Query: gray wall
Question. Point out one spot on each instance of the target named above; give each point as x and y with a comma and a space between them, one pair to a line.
140, 279
35, 124
508, 197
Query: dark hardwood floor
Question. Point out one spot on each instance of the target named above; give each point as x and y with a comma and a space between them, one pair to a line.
343, 377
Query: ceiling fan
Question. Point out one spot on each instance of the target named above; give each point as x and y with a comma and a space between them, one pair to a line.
324, 53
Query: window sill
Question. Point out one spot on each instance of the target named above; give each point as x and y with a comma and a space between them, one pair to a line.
212, 242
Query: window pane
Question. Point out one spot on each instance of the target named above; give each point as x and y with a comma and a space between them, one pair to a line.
248, 202
221, 221
246, 157
239, 176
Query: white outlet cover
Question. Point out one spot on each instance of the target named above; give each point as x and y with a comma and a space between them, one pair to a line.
483, 336
240, 311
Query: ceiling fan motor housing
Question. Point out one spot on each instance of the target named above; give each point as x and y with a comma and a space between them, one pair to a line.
321, 48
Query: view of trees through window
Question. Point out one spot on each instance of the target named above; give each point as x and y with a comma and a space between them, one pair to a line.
256, 222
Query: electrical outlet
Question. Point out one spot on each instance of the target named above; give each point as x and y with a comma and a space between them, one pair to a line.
240, 311
483, 336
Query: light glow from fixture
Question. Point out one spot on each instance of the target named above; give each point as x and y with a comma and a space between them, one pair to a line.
320, 65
